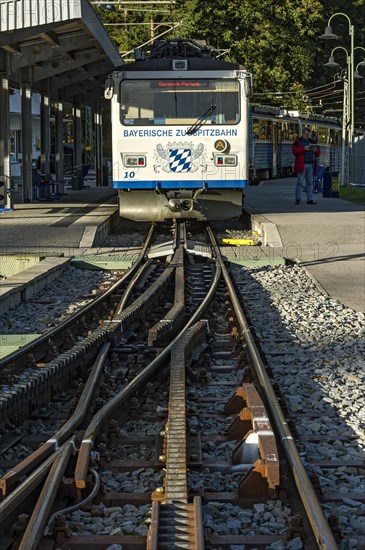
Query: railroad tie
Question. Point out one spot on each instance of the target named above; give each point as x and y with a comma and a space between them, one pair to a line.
176, 525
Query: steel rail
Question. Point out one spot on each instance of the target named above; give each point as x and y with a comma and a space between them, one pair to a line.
131, 286
119, 399
317, 520
90, 497
174, 318
44, 338
53, 444
34, 531
175, 445
26, 487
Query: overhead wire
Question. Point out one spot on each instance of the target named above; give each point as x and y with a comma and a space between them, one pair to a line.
298, 91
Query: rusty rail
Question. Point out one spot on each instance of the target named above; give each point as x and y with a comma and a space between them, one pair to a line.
175, 520
174, 318
44, 338
319, 524
30, 462
119, 399
34, 531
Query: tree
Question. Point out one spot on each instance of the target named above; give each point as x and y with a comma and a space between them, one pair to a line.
277, 41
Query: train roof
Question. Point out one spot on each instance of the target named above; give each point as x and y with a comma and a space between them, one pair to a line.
192, 65
285, 114
198, 55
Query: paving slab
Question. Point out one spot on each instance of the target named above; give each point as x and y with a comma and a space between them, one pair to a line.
328, 238
77, 219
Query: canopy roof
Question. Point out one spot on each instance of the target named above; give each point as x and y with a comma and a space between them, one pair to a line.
57, 46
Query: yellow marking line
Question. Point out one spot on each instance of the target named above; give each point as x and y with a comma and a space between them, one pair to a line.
239, 242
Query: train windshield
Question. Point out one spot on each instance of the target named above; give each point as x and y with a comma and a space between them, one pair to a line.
182, 102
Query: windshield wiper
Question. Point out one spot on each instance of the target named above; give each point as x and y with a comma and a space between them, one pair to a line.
200, 121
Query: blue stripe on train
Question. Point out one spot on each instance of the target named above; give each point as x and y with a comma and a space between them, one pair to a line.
180, 184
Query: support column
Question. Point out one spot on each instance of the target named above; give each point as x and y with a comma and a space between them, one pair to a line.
5, 174
45, 133
26, 93
88, 135
77, 182
59, 156
99, 143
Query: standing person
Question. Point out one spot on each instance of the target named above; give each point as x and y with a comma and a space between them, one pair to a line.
305, 151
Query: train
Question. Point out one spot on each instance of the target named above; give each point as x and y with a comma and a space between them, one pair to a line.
185, 140
273, 131
180, 120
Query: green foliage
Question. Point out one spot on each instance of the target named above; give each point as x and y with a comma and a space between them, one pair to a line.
353, 194
278, 41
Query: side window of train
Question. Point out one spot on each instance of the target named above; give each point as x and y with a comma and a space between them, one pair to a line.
285, 131
337, 138
315, 134
333, 137
263, 130
294, 130
322, 135
269, 131
255, 129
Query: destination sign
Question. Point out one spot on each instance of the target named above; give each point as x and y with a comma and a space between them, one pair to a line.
177, 84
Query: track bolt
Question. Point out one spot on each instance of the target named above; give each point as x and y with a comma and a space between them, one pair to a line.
134, 406
162, 458
131, 360
296, 527
31, 362
114, 360
160, 490
203, 379
131, 374
61, 529
334, 523
21, 525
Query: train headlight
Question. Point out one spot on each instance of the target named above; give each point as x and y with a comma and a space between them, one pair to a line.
138, 161
225, 160
230, 160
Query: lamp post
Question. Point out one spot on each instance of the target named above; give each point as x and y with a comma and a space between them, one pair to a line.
346, 96
352, 74
345, 106
329, 35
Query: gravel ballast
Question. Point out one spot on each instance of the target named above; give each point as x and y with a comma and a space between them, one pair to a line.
315, 348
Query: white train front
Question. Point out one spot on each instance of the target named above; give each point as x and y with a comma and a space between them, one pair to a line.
180, 134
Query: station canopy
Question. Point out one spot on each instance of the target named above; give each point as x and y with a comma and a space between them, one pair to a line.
56, 46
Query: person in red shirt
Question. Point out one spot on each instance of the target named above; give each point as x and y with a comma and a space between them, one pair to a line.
306, 152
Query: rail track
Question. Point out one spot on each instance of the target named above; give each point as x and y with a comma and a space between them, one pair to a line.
173, 420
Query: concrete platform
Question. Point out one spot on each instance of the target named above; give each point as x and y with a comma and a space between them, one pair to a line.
327, 238
79, 219
24, 285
